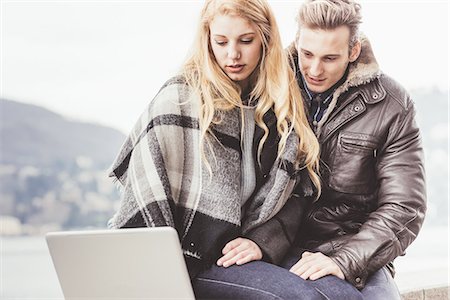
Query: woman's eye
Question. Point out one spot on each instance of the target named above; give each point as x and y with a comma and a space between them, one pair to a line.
246, 41
220, 43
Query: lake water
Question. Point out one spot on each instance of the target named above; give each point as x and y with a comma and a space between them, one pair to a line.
27, 271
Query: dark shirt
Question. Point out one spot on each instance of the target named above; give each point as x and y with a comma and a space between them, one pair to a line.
319, 102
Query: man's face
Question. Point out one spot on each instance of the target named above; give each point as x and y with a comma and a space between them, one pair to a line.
324, 56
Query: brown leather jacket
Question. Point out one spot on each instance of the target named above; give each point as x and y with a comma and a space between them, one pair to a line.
373, 199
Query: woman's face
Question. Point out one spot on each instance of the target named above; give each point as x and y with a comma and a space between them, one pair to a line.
236, 47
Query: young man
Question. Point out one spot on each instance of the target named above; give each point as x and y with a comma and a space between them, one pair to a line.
373, 198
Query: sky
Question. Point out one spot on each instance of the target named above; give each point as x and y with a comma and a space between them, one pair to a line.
103, 61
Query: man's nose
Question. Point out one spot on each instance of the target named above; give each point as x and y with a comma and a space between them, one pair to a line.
315, 68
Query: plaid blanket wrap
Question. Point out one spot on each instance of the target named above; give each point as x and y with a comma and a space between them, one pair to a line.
164, 181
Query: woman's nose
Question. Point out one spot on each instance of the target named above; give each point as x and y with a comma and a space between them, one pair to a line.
233, 52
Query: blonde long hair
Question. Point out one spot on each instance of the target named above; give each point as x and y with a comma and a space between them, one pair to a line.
274, 84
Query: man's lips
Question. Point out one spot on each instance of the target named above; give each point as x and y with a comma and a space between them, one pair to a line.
235, 68
314, 80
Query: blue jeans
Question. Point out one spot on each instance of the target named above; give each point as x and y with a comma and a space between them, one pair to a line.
260, 280
379, 286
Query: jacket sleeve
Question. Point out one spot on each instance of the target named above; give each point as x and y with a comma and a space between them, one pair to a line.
276, 236
394, 225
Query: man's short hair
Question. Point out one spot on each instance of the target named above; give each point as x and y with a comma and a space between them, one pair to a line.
330, 14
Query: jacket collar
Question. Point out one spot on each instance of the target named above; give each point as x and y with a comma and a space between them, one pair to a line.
364, 70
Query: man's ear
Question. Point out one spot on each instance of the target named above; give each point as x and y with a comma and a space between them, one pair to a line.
355, 52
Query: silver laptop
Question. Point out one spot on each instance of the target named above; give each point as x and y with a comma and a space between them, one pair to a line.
138, 263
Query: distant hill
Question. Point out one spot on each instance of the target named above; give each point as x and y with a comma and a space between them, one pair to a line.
53, 170
32, 135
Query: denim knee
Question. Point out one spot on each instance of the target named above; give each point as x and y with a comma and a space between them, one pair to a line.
255, 280
206, 288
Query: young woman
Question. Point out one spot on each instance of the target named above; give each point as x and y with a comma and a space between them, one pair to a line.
224, 154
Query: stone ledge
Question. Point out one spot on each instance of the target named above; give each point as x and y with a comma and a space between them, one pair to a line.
435, 293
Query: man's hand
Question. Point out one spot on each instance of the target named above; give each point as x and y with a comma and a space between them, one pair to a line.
316, 265
239, 251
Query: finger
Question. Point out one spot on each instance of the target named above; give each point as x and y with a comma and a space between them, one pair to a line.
247, 258
309, 271
306, 254
308, 266
328, 269
321, 273
226, 257
231, 261
300, 267
238, 247
303, 263
340, 274
244, 253
296, 266
231, 245
310, 257
252, 247
230, 254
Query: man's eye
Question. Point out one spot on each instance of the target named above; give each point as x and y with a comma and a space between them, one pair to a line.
306, 54
330, 58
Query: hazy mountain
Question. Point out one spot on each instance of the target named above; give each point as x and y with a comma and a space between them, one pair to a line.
53, 170
32, 135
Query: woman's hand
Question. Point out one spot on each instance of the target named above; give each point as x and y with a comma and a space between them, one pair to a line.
239, 251
316, 265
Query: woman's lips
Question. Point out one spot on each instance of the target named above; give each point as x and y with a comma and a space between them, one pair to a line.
235, 68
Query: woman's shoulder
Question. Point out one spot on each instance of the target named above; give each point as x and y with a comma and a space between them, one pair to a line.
173, 96
178, 80
174, 102
176, 88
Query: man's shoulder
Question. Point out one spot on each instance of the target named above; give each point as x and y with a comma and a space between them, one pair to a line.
387, 90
